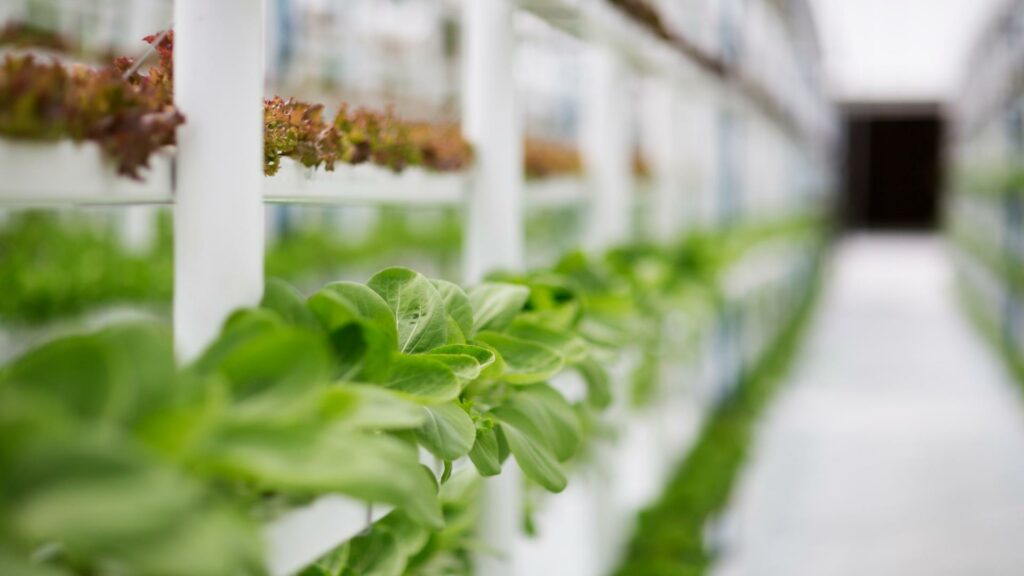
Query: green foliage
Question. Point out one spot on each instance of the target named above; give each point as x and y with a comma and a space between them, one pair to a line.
54, 266
331, 393
669, 539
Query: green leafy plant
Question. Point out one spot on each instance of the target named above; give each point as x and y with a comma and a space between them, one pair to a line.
297, 130
301, 396
54, 267
670, 537
129, 118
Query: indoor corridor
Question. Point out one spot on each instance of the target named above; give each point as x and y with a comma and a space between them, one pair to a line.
896, 448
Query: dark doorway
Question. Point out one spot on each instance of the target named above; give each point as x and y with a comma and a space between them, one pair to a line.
893, 173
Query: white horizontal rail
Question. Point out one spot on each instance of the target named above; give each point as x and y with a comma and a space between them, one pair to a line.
64, 173
365, 184
301, 536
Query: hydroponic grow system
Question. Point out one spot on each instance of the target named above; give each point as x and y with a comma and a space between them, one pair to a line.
214, 179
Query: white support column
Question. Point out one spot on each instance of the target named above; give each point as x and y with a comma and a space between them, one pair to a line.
494, 221
491, 123
663, 149
137, 228
218, 225
606, 144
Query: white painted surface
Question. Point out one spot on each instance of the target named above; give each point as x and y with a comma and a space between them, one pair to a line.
889, 50
606, 146
303, 535
218, 224
492, 124
494, 222
85, 176
898, 447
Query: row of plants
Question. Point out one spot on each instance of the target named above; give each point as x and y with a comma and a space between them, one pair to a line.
297, 130
121, 460
994, 181
544, 158
991, 293
672, 535
26, 35
55, 266
330, 393
132, 116
125, 460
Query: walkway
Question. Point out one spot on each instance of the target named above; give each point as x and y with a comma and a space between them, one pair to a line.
897, 448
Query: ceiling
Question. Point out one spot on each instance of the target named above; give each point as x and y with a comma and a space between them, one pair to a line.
898, 51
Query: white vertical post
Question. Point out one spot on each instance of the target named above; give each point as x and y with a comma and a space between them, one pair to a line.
494, 220
218, 225
607, 147
491, 124
137, 227
662, 148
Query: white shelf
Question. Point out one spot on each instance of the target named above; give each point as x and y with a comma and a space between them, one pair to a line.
303, 535
65, 173
52, 174
364, 184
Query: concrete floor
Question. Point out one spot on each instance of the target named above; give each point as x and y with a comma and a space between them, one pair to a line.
897, 447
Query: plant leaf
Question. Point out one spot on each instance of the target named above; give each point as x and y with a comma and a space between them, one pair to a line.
465, 367
537, 461
369, 306
495, 305
525, 362
418, 307
547, 417
485, 357
448, 432
599, 386
314, 459
569, 345
286, 360
485, 455
369, 408
287, 301
457, 306
362, 344
422, 379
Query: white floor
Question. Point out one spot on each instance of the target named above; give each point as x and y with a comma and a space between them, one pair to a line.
897, 446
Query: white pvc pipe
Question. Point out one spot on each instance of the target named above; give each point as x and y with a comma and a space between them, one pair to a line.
491, 123
494, 222
137, 228
663, 150
218, 224
606, 144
